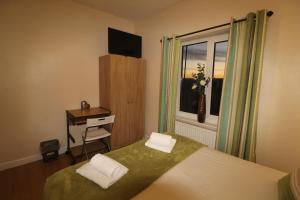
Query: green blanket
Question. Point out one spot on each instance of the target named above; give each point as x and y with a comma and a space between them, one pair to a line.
145, 166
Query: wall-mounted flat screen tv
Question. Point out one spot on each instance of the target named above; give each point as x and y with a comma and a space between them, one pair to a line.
123, 43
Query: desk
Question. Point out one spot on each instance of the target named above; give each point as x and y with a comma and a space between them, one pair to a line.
78, 117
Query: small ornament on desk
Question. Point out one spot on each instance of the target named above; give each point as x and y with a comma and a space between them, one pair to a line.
84, 105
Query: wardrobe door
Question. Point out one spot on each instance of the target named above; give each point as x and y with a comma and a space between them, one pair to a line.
136, 98
119, 90
104, 82
140, 102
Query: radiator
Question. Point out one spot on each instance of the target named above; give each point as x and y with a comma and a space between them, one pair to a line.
199, 134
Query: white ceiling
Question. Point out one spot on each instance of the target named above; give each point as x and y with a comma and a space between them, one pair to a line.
129, 9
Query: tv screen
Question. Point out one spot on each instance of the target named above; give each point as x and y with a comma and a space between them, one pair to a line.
122, 43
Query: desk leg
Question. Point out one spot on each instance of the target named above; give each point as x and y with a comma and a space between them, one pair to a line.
68, 136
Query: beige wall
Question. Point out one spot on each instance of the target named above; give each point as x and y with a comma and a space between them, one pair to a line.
48, 63
279, 115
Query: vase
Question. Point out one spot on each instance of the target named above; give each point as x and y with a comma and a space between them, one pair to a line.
201, 108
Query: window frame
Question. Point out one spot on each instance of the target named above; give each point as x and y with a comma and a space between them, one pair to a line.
211, 40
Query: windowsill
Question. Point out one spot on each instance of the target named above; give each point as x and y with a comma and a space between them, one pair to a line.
208, 126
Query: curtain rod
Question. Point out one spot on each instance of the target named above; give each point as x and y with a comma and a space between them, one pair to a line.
269, 14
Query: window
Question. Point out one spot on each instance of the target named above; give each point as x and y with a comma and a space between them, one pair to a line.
210, 51
220, 51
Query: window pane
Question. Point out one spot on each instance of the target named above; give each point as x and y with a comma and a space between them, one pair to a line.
218, 75
195, 53
191, 56
183, 55
220, 59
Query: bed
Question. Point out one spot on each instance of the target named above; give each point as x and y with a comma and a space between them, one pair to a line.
145, 166
211, 175
191, 171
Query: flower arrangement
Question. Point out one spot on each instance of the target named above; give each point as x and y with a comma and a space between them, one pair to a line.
200, 79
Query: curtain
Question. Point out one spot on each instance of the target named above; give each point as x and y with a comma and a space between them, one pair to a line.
240, 95
169, 82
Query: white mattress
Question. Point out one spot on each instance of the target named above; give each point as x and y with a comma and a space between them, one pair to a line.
211, 175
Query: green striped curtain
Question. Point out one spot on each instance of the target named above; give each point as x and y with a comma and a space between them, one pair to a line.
169, 81
239, 105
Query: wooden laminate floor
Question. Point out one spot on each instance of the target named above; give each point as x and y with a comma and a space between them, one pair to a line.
26, 182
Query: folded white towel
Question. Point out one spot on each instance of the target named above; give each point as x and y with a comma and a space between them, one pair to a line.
89, 172
160, 139
166, 149
104, 164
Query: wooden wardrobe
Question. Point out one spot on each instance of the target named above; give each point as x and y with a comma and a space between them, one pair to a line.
122, 90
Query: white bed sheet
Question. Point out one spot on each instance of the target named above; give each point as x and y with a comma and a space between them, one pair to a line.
211, 175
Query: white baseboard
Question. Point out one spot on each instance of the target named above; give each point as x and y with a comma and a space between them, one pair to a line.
25, 160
